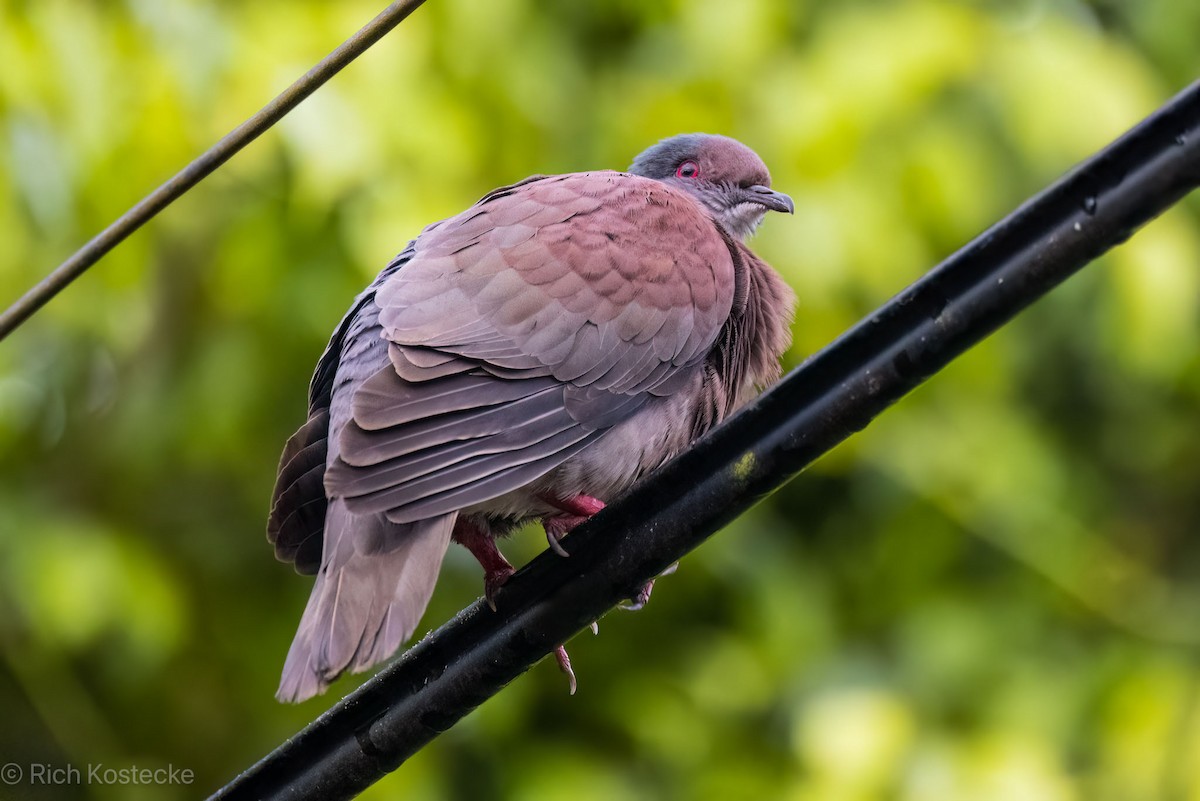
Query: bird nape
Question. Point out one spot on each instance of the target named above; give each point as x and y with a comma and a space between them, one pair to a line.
527, 359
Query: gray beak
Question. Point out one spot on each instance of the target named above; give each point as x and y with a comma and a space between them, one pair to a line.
766, 196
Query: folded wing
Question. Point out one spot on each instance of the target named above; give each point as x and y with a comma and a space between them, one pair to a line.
525, 328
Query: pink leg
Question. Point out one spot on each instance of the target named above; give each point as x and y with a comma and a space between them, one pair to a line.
482, 545
572, 512
579, 505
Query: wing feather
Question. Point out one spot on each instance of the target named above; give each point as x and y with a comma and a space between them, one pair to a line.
362, 448
492, 484
422, 364
385, 401
468, 475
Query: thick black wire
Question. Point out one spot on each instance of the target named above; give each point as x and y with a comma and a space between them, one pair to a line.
837, 392
202, 166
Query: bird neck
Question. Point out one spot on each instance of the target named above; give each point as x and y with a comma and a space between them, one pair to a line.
757, 333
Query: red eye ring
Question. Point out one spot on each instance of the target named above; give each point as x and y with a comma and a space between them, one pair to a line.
688, 170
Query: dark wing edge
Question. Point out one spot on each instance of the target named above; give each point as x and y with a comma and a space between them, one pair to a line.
296, 522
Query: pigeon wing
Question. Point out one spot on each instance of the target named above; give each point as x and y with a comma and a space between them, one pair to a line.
522, 330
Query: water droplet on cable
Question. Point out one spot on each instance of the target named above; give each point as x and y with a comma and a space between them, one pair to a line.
1089, 204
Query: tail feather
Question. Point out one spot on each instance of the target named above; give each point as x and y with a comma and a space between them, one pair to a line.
375, 581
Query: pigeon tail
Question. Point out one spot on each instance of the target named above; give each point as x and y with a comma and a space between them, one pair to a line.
375, 581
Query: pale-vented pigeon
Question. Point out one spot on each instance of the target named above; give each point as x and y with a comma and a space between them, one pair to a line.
527, 359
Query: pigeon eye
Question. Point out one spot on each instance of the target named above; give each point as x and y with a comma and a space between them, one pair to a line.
688, 169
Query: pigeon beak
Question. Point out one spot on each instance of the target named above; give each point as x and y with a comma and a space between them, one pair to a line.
766, 196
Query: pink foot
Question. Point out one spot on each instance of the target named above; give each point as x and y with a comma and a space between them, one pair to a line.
641, 599
557, 527
572, 512
643, 595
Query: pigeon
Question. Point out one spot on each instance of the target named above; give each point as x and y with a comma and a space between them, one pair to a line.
526, 360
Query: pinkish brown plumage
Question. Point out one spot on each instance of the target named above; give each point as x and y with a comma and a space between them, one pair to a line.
527, 359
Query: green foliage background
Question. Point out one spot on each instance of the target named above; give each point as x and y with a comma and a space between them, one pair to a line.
991, 593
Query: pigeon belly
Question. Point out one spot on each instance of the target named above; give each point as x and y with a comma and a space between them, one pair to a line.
629, 450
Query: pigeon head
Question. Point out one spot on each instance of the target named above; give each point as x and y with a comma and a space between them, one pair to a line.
727, 177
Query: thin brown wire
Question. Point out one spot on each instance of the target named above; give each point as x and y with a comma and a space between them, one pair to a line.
202, 166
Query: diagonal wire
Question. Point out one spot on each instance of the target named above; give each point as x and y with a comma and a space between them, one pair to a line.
837, 392
203, 165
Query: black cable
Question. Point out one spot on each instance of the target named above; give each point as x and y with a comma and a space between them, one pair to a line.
832, 395
202, 166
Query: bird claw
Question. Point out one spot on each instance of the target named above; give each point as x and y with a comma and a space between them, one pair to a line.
643, 596
564, 664
572, 512
553, 533
493, 580
640, 600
